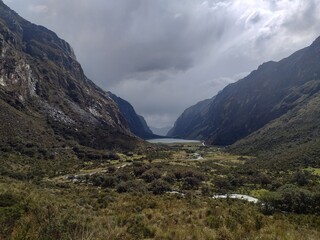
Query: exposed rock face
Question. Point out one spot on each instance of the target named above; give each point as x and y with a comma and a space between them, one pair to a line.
137, 123
41, 80
265, 95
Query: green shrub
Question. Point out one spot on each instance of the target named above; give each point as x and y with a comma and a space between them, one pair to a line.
124, 176
109, 182
169, 177
134, 186
159, 187
151, 175
140, 169
290, 198
191, 183
301, 178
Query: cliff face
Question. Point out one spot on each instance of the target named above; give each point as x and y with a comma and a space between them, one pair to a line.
263, 96
42, 83
137, 123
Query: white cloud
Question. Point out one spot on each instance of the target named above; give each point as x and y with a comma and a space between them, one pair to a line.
38, 9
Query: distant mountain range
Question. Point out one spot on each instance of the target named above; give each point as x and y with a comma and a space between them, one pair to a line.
46, 99
277, 104
162, 131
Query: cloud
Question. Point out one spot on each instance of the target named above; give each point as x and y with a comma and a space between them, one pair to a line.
37, 9
165, 55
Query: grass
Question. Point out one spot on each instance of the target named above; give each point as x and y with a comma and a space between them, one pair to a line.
53, 207
87, 213
315, 171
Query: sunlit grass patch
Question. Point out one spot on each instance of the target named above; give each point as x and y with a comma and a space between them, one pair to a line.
315, 171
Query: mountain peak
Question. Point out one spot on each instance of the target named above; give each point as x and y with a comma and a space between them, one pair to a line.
264, 95
316, 45
41, 81
316, 42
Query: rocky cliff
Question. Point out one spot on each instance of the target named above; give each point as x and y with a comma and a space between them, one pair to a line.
45, 96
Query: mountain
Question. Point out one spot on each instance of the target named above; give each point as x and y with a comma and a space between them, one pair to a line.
266, 94
295, 136
190, 120
163, 131
145, 124
137, 123
45, 98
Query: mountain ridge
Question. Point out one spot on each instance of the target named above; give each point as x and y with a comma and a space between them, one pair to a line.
41, 80
265, 94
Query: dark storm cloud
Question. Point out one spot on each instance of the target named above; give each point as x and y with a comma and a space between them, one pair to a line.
165, 55
114, 39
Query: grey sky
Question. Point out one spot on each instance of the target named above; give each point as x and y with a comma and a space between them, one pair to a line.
165, 55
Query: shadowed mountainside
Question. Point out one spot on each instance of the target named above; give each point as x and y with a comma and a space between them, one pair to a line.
188, 123
266, 94
137, 123
45, 97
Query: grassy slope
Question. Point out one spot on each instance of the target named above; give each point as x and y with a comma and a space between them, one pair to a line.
294, 136
53, 207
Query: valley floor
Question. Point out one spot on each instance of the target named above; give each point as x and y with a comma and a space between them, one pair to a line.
163, 194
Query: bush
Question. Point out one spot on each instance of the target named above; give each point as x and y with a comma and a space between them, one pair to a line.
170, 178
139, 170
158, 155
97, 180
159, 187
222, 183
191, 183
135, 186
112, 169
195, 174
123, 176
290, 198
151, 175
109, 182
302, 178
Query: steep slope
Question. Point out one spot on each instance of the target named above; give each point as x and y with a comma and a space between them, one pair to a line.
188, 124
295, 136
45, 96
145, 125
137, 123
266, 94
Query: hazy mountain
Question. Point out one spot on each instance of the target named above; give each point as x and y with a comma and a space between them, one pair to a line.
266, 94
45, 97
163, 131
137, 123
187, 125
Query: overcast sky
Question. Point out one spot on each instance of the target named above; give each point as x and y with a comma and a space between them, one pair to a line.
165, 55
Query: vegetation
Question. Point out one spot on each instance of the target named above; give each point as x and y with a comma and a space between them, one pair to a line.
164, 195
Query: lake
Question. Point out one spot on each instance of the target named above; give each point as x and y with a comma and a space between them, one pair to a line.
172, 140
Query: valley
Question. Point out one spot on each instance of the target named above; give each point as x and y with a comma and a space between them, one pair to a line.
164, 194
79, 162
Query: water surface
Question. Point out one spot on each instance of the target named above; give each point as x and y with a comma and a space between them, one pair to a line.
172, 140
